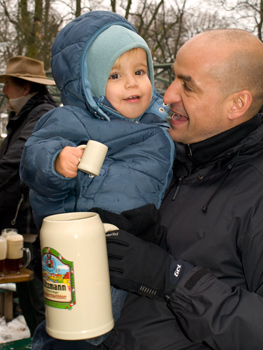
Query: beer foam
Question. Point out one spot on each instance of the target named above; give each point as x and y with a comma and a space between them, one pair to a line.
14, 246
15, 238
3, 248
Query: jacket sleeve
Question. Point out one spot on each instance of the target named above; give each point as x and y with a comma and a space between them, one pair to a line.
225, 318
52, 133
9, 163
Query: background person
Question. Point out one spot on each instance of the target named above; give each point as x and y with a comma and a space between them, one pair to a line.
210, 286
25, 84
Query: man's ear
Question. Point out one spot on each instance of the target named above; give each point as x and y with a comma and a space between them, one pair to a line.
27, 88
239, 104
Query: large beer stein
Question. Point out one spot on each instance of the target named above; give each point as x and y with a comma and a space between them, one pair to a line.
76, 275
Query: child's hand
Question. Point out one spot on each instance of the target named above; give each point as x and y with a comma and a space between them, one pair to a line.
67, 161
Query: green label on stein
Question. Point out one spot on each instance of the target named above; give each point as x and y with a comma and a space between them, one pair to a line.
58, 280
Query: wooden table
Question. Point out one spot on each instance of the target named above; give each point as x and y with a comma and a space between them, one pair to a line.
6, 296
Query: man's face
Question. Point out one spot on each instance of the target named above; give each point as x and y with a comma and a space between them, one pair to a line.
12, 90
195, 98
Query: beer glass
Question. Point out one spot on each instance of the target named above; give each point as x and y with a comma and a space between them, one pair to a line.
3, 251
15, 252
8, 231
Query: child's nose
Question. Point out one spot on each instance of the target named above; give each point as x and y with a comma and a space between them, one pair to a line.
131, 81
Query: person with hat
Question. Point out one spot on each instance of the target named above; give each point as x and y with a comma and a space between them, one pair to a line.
25, 87
107, 87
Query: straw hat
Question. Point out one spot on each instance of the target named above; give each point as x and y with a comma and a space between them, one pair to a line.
26, 68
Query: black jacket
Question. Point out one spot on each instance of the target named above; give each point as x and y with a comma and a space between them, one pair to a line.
15, 209
214, 215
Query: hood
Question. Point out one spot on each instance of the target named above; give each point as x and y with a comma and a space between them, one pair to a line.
69, 55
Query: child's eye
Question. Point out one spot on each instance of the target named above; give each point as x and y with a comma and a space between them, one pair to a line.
139, 72
114, 76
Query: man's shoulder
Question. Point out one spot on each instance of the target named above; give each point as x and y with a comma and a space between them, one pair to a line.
254, 150
257, 163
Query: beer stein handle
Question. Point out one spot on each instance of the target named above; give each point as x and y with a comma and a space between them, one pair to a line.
110, 227
28, 257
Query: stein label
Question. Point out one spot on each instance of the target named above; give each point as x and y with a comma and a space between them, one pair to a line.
58, 280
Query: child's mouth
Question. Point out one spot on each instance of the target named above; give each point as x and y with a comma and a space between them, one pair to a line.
133, 98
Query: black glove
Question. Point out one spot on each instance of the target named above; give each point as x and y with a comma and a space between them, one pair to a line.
143, 222
142, 267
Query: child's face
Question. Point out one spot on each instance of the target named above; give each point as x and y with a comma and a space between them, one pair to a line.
129, 89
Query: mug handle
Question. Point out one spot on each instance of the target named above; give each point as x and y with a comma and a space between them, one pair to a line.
82, 146
28, 257
110, 227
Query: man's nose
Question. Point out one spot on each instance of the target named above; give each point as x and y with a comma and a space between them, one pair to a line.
172, 94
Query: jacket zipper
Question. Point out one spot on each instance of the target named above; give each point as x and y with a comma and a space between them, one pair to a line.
13, 222
177, 187
180, 179
189, 149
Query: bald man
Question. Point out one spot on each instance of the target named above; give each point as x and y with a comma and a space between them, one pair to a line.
206, 290
217, 87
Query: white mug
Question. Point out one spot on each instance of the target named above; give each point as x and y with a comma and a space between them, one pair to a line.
76, 275
93, 157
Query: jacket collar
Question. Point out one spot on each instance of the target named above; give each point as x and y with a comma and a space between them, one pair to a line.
16, 104
203, 151
36, 100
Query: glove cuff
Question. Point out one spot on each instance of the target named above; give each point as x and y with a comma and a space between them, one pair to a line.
177, 269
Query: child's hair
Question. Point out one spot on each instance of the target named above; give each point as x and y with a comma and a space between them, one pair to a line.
128, 54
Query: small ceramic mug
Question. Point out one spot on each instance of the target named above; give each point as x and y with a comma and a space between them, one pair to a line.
93, 157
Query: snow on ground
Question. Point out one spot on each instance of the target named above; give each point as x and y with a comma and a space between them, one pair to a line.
13, 330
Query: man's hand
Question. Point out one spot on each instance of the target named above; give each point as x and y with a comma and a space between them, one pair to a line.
66, 163
143, 222
142, 267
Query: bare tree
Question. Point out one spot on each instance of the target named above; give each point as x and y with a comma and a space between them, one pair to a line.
78, 8
29, 26
33, 24
160, 26
202, 21
249, 14
6, 36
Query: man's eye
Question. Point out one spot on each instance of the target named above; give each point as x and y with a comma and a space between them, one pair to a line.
114, 76
186, 88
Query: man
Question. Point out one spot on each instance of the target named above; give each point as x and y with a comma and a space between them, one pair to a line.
208, 287
25, 84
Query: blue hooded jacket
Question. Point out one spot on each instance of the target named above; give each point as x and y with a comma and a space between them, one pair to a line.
138, 165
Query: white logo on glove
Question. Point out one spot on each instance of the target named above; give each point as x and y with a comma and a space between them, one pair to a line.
114, 233
178, 270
